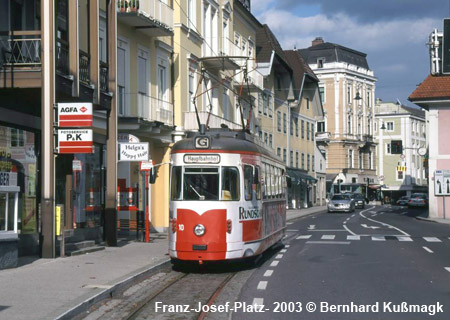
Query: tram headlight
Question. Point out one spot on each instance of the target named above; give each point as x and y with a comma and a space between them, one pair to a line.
199, 230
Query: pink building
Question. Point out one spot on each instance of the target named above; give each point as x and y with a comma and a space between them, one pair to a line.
433, 94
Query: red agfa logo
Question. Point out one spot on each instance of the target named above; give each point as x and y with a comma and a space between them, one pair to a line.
83, 109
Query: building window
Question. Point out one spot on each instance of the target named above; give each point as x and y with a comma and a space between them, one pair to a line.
260, 135
312, 132
284, 156
370, 160
260, 102
191, 93
191, 14
307, 103
303, 161
322, 94
291, 128
291, 158
296, 126
307, 131
349, 95
226, 104
284, 123
350, 158
349, 124
296, 159
389, 126
361, 160
388, 148
303, 129
279, 121
17, 138
270, 102
266, 138
320, 63
279, 152
270, 140
308, 162
313, 164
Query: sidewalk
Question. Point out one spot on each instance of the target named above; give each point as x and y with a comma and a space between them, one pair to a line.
63, 287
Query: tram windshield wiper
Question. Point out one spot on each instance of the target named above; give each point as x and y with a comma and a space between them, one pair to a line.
200, 197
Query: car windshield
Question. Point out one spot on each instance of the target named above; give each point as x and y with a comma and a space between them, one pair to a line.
358, 196
418, 195
340, 197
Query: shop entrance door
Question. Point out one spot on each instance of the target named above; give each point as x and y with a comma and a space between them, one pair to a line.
9, 208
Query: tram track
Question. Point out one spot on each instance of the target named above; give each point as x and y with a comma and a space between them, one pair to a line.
172, 295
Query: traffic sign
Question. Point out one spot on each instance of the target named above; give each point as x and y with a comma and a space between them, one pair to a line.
75, 141
75, 114
146, 165
442, 182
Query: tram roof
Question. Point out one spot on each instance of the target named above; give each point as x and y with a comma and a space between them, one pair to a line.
224, 140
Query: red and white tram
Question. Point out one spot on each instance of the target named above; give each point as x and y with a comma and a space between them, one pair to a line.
228, 197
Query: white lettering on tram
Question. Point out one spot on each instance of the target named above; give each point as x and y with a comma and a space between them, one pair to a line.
249, 214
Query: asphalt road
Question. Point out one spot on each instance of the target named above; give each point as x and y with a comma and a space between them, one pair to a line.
376, 263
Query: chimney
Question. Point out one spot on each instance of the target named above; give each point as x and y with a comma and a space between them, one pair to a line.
316, 41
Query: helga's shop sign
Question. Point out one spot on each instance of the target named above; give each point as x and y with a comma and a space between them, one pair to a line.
133, 151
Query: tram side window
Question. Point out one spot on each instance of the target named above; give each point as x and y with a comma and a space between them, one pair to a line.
248, 181
176, 183
258, 182
264, 180
230, 184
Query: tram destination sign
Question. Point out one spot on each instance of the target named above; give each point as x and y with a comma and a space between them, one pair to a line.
75, 141
75, 114
201, 158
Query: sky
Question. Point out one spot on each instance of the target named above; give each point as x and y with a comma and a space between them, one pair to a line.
393, 34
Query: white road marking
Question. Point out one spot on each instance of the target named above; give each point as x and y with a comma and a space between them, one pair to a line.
353, 238
328, 230
279, 256
369, 227
274, 263
327, 242
311, 227
258, 302
431, 239
287, 246
427, 249
328, 237
268, 273
353, 215
306, 236
404, 239
289, 223
377, 238
292, 230
372, 212
447, 268
404, 233
283, 251
262, 285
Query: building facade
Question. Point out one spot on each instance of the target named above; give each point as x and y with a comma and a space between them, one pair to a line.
400, 172
347, 87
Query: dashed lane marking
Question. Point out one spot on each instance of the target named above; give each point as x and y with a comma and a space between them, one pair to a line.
292, 230
258, 302
327, 242
307, 236
283, 251
431, 239
350, 237
376, 238
286, 245
408, 239
262, 285
328, 237
447, 268
428, 249
268, 273
274, 263
279, 256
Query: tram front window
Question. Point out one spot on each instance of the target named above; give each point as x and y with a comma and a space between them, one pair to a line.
201, 184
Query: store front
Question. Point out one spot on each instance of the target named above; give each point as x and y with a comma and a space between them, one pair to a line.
18, 189
300, 191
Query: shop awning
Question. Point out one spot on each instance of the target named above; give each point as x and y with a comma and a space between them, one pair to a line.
297, 175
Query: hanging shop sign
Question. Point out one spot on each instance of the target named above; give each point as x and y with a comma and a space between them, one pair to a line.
8, 179
442, 182
126, 137
75, 141
75, 114
133, 151
146, 165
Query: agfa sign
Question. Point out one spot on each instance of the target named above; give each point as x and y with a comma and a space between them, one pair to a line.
75, 141
75, 114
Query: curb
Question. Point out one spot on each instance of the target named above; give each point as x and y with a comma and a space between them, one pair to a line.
301, 215
432, 220
110, 292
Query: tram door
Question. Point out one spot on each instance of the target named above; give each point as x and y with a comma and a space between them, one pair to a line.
9, 208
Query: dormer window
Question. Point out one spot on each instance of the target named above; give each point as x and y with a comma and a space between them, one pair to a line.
320, 62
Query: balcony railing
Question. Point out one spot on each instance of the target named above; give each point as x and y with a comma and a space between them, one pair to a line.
255, 78
104, 76
323, 136
190, 121
85, 61
62, 57
152, 9
148, 108
24, 51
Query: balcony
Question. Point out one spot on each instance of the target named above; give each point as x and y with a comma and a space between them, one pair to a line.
147, 108
152, 17
190, 121
323, 137
20, 59
229, 58
255, 80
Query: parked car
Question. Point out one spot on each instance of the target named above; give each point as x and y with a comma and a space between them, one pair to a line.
359, 200
403, 201
341, 202
418, 200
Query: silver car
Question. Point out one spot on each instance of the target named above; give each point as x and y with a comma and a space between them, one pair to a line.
341, 202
